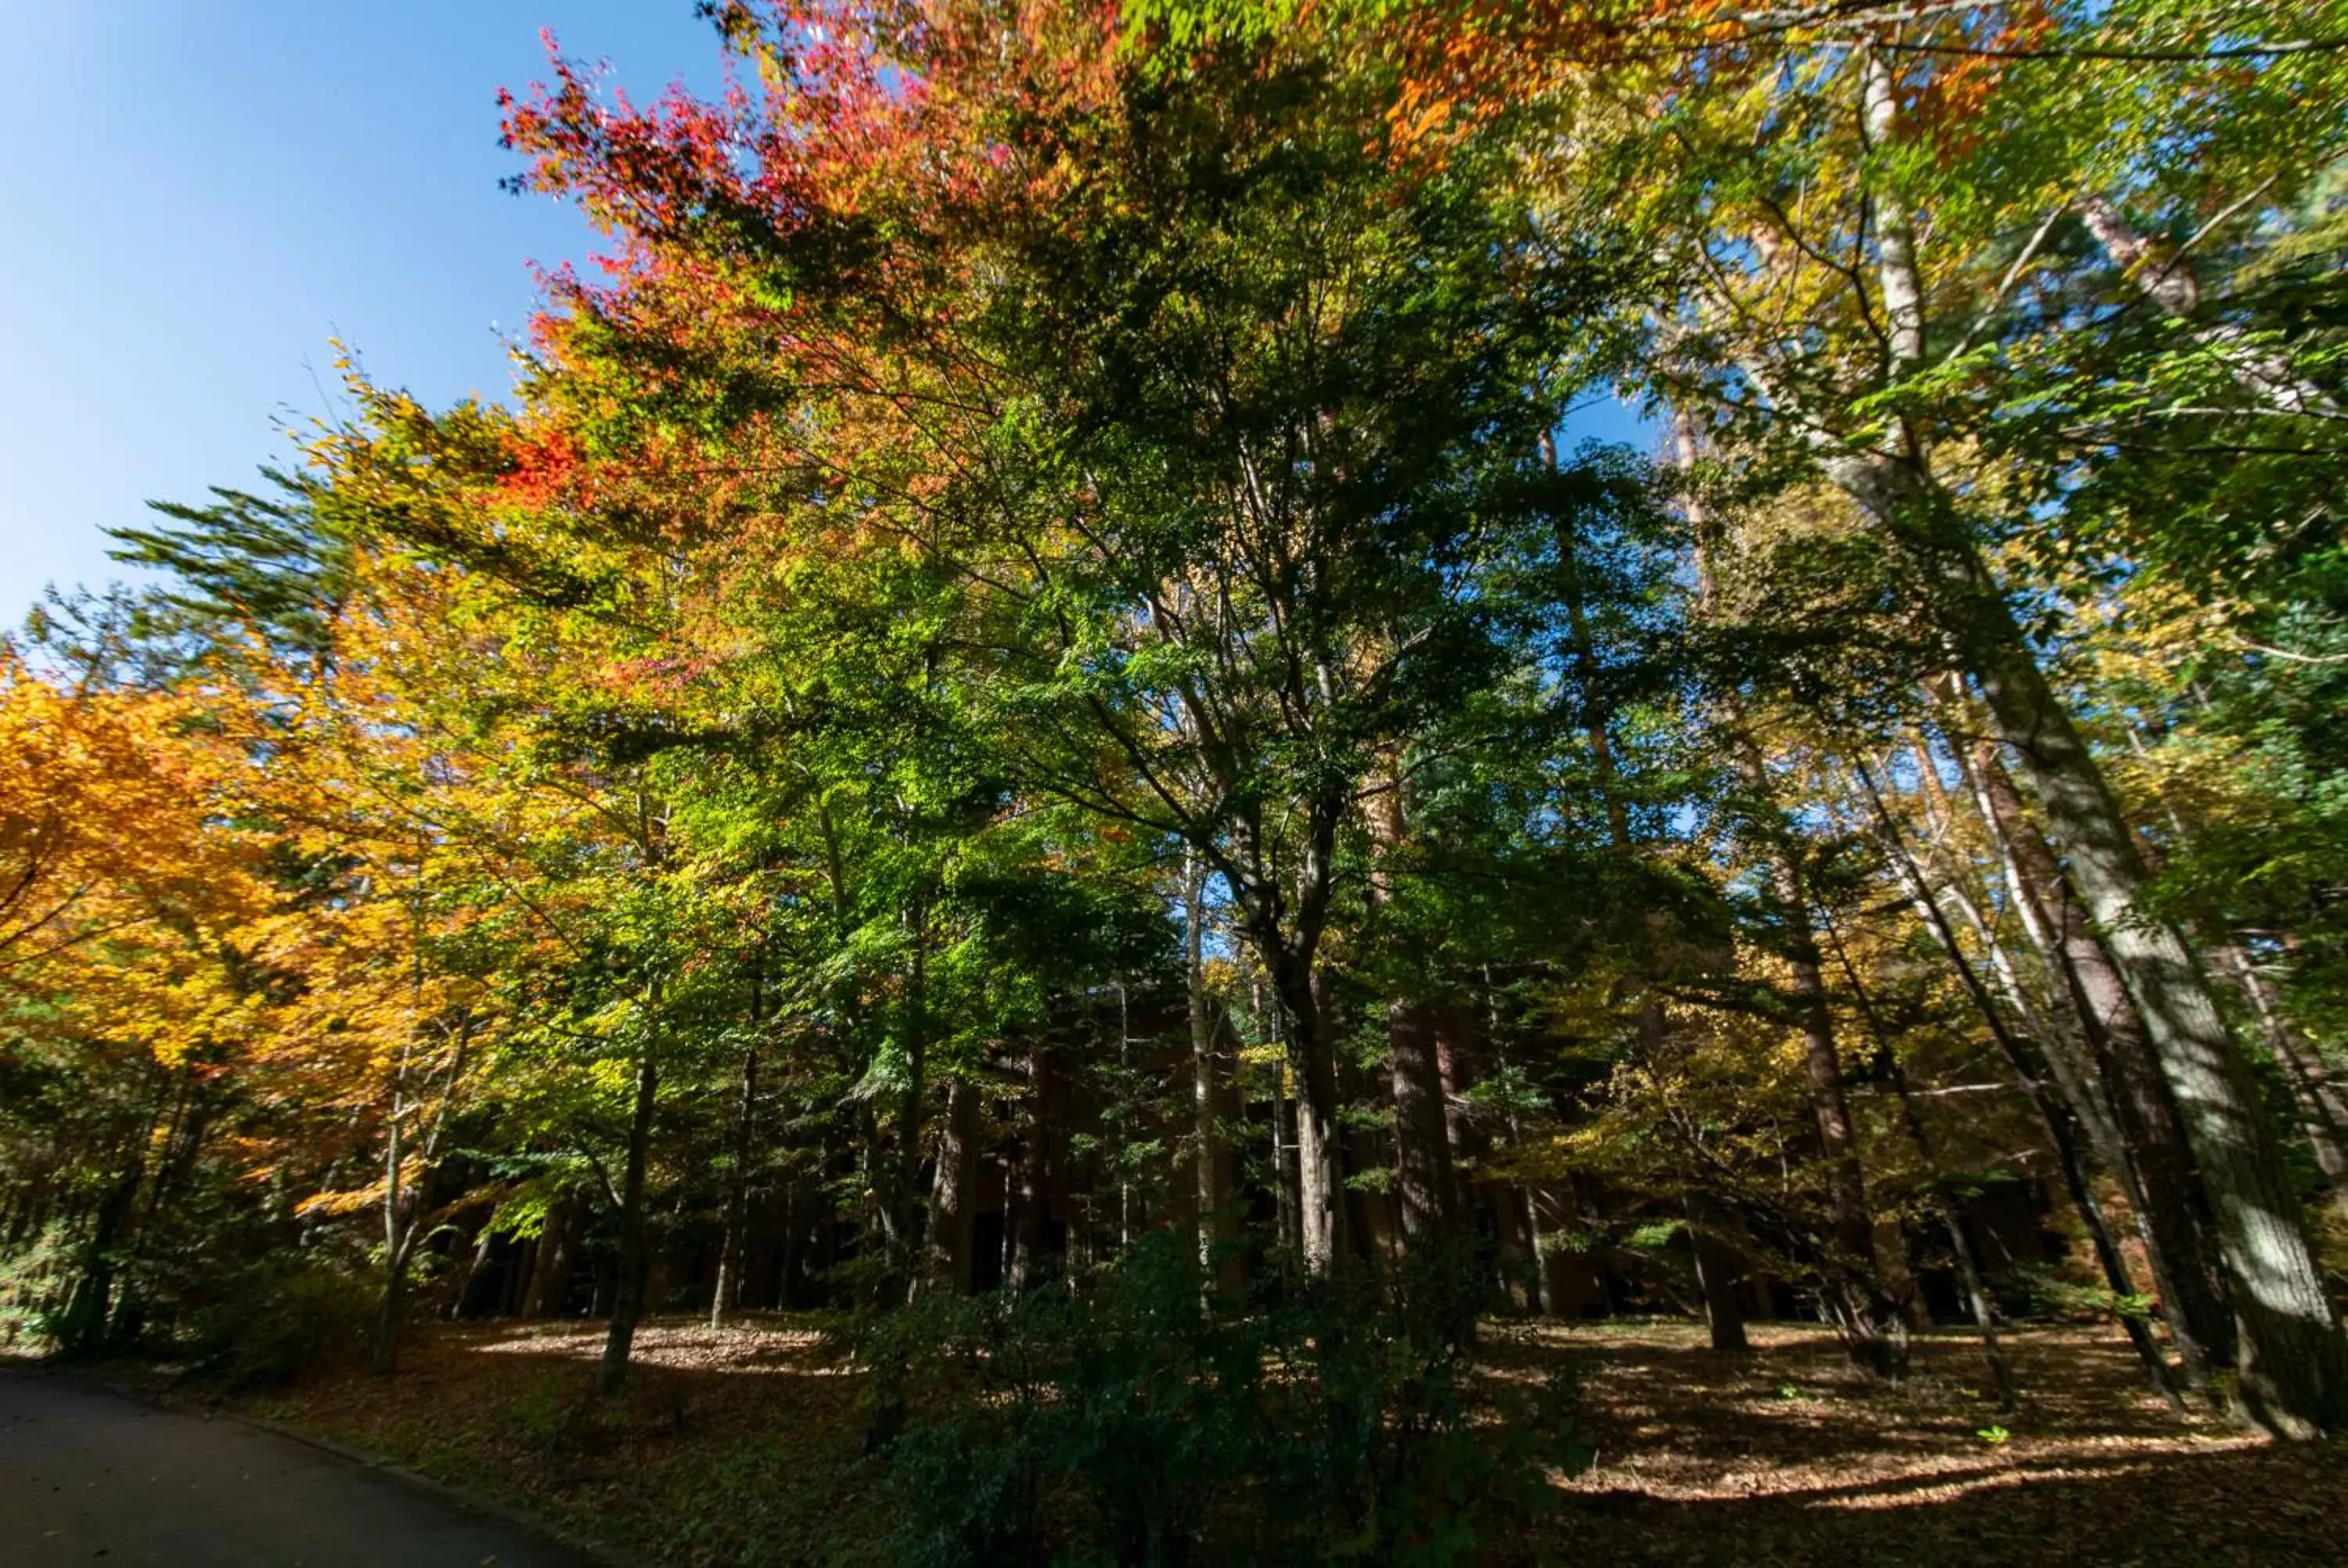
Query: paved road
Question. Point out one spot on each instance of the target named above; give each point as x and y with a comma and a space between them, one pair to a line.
86, 1475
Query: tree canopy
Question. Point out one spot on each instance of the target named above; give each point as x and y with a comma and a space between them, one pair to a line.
1035, 683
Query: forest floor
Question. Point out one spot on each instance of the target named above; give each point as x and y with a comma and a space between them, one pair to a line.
740, 1446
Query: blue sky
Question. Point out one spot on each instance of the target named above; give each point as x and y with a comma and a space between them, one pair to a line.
199, 194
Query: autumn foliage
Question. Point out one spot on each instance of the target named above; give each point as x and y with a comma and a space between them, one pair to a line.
1035, 692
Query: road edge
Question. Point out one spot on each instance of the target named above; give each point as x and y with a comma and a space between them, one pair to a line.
471, 1502
600, 1552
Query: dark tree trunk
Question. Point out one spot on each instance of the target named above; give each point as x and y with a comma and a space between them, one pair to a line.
558, 1256
1716, 1272
953, 1192
628, 1288
1031, 1231
88, 1308
1524, 1213
2025, 1061
2062, 1129
391, 1304
2001, 1369
470, 1296
1423, 1180
728, 1293
1424, 1186
391, 1307
1868, 1321
1454, 1027
1319, 1142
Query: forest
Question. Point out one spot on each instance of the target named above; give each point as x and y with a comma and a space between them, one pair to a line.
1038, 761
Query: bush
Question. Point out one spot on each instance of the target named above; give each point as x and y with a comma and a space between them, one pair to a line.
1111, 1419
36, 1280
278, 1322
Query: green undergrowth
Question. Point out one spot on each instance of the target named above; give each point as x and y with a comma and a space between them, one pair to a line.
1119, 1417
1111, 1417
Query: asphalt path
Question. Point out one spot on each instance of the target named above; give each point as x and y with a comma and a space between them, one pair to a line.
86, 1475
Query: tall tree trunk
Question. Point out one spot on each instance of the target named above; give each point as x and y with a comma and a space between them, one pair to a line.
1423, 1181
1530, 1214
1210, 1161
953, 1193
2292, 1359
2321, 1105
1952, 1220
390, 1303
1850, 1290
1320, 1181
901, 1210
1283, 918
1715, 1270
1320, 1141
2022, 1062
476, 1284
1287, 1180
2061, 1122
401, 1230
726, 1294
1455, 1029
1118, 1145
2156, 1164
1424, 1184
391, 1307
558, 1256
2067, 1044
2062, 1129
1712, 1259
1867, 1318
2318, 1096
1031, 1235
88, 1308
628, 1289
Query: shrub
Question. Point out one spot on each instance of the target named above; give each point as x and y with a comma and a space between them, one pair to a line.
36, 1280
277, 1322
1112, 1417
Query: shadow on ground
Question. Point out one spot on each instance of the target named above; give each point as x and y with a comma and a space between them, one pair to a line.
741, 1446
1790, 1456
